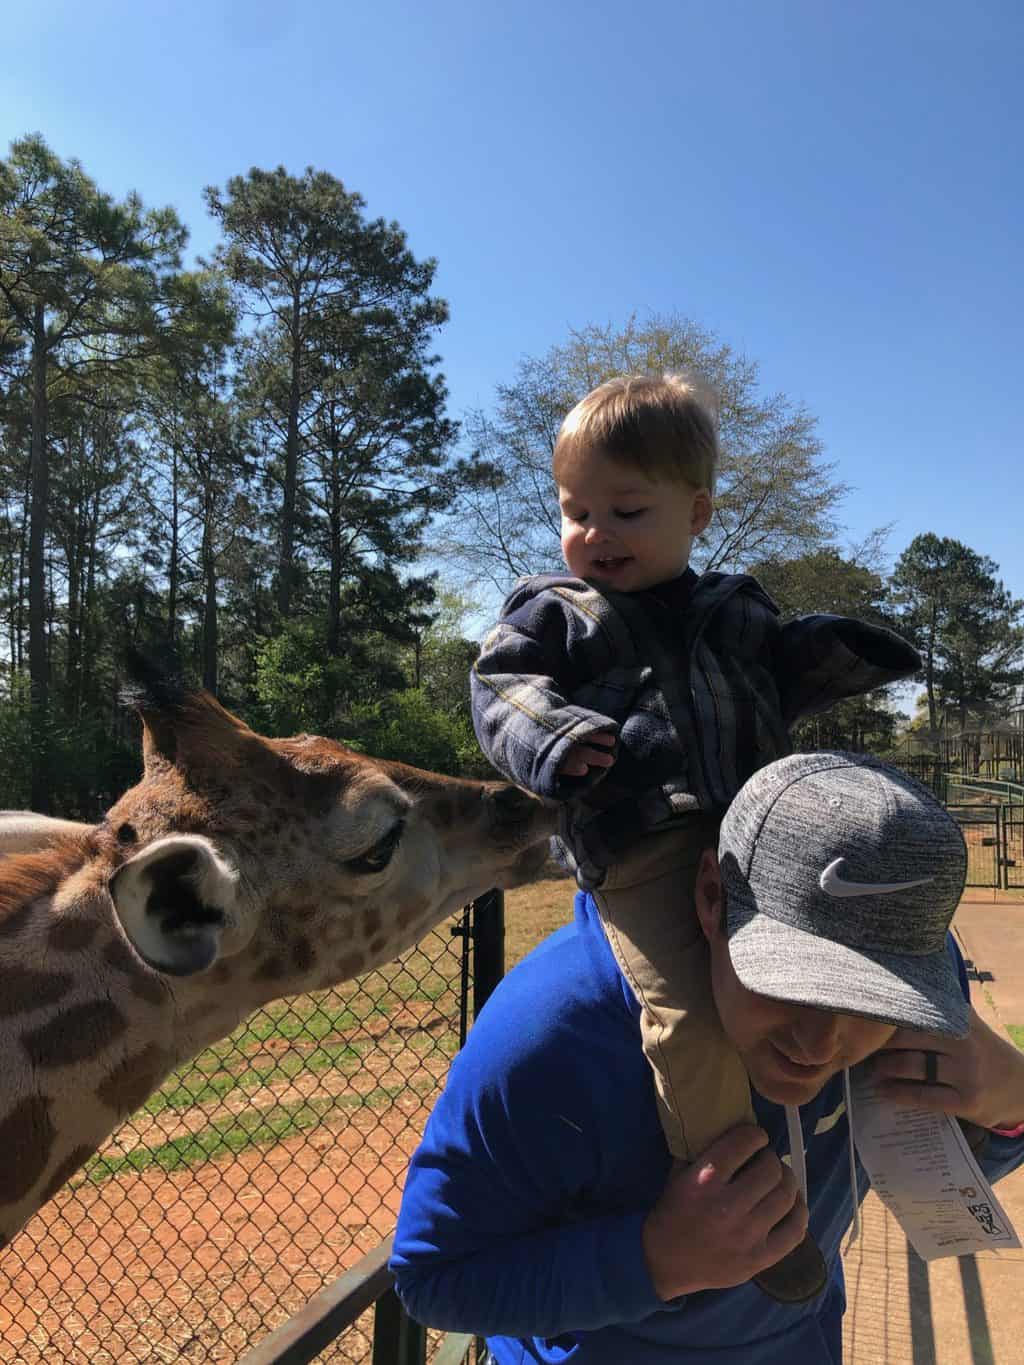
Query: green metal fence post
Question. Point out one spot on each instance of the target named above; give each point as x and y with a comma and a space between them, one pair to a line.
397, 1340
488, 946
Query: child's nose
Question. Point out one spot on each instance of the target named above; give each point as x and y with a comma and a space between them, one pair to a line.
595, 534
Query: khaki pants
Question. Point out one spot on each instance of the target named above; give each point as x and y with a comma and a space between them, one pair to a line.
649, 914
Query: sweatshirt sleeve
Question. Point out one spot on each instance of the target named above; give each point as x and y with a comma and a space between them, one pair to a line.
493, 1237
821, 659
541, 650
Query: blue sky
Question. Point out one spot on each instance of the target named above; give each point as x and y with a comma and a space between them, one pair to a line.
834, 188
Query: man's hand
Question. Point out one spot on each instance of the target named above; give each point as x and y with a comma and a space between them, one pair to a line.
719, 1220
980, 1077
593, 752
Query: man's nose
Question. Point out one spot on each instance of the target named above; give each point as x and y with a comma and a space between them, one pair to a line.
816, 1033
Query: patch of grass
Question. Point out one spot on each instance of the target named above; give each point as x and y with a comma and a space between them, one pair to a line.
195, 1085
533, 912
1016, 1032
254, 1128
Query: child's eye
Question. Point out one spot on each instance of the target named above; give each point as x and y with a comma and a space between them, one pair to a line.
631, 515
579, 517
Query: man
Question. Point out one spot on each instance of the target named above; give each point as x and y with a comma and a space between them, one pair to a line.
543, 1210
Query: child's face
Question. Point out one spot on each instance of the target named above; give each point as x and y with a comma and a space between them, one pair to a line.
624, 529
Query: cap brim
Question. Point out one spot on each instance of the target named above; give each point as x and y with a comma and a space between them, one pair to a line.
786, 963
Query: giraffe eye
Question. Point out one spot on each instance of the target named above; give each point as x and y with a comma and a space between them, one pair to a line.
377, 858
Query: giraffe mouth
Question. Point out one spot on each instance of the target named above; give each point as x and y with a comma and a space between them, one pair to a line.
190, 945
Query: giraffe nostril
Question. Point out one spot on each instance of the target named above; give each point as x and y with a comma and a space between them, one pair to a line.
126, 834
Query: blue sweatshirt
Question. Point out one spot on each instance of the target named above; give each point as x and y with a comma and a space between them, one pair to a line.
523, 1207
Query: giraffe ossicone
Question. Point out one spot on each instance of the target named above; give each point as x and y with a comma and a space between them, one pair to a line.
238, 870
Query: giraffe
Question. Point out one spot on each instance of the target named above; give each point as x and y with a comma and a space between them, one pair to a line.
238, 870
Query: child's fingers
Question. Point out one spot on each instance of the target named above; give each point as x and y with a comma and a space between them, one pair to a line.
581, 758
606, 737
595, 758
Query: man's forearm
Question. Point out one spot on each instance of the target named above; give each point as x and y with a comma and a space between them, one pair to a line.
578, 1277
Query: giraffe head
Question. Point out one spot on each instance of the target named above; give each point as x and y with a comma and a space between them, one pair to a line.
296, 862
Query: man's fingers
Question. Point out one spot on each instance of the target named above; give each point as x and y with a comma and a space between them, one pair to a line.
910, 1040
925, 1065
776, 1205
944, 1099
786, 1234
758, 1177
728, 1153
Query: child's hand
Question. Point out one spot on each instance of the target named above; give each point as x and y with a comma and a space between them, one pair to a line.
582, 757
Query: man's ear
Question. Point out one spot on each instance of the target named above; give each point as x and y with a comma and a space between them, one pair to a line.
707, 893
702, 509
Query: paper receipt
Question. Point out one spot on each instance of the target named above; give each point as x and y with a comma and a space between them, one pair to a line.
923, 1170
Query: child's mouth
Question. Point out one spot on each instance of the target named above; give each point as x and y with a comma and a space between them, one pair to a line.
611, 564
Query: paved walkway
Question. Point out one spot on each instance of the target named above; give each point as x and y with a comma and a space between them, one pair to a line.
969, 1310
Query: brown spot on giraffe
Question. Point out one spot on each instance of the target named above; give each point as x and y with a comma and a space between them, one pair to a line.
76, 1035
351, 965
25, 989
409, 914
26, 1139
14, 923
371, 922
133, 1080
303, 955
378, 945
144, 983
272, 968
63, 1173
71, 934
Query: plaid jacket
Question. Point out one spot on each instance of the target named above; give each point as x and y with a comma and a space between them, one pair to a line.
699, 699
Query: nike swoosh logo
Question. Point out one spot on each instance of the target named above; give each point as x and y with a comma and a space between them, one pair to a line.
834, 885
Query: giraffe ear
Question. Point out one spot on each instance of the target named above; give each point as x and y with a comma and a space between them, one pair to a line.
176, 901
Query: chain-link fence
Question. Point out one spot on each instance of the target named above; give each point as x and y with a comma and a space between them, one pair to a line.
259, 1173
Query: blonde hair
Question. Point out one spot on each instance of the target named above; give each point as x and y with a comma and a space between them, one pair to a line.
664, 425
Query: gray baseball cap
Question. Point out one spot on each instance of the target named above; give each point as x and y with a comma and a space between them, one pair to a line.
841, 876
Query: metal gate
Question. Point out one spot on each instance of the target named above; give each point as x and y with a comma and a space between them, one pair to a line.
1013, 847
982, 830
994, 835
